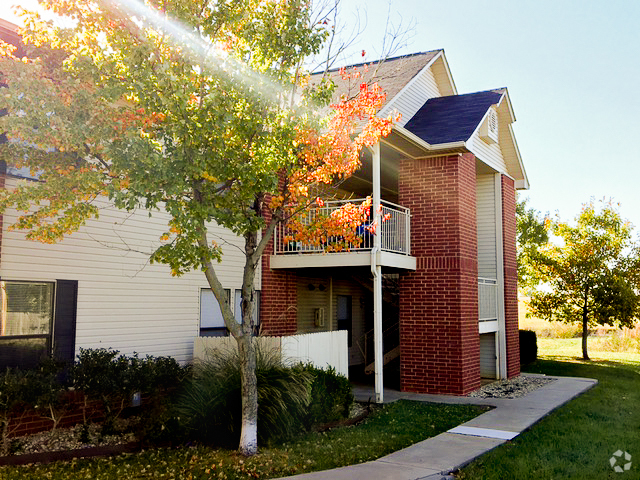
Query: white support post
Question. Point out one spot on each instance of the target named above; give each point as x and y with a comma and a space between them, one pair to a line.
377, 334
502, 327
377, 279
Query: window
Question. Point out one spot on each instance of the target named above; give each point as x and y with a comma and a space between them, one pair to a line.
211, 320
26, 323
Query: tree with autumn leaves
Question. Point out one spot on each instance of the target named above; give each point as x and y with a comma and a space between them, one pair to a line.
201, 109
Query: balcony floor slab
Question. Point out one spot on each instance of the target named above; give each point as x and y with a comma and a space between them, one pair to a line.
341, 259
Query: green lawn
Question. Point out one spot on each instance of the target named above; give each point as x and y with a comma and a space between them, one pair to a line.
577, 440
564, 349
391, 428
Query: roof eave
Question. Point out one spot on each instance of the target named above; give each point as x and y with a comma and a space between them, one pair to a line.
522, 183
426, 146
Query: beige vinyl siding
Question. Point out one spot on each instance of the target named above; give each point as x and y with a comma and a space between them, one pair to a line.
124, 302
412, 97
486, 222
344, 286
310, 300
488, 355
441, 75
491, 154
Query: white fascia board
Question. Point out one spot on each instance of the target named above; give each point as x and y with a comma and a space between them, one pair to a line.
412, 137
383, 111
425, 145
320, 260
505, 95
525, 179
446, 146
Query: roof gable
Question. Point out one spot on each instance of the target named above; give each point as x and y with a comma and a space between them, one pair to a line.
453, 118
391, 74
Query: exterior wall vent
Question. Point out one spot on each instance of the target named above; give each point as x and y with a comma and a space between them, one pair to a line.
318, 317
489, 128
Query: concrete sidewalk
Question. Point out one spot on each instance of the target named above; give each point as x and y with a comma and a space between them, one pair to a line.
435, 457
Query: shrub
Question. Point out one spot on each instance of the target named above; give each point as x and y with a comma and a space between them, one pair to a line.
331, 396
161, 375
12, 385
103, 376
112, 379
211, 403
528, 347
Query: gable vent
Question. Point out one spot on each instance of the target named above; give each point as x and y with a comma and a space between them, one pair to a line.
489, 129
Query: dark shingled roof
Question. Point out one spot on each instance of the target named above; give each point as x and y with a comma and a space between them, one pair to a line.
451, 119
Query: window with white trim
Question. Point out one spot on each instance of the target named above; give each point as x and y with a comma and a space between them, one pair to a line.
211, 319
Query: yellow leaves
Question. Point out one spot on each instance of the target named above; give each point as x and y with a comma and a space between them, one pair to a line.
6, 49
208, 177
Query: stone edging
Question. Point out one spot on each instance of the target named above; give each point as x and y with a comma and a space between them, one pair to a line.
49, 457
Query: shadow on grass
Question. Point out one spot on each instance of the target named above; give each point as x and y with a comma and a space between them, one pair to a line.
579, 438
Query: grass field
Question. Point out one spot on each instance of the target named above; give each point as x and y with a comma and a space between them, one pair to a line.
578, 440
570, 349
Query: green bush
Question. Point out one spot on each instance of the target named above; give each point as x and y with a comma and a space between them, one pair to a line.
211, 403
112, 379
161, 375
331, 396
12, 398
528, 347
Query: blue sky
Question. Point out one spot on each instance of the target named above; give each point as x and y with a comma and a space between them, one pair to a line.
572, 69
573, 73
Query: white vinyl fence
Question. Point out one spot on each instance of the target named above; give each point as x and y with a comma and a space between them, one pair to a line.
323, 349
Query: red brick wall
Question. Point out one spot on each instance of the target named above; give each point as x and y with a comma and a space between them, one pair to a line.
440, 347
510, 275
278, 297
28, 422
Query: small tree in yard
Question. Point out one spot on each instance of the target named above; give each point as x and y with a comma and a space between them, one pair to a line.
531, 235
591, 276
209, 119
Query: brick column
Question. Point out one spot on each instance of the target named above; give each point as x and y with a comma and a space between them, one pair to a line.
278, 296
440, 345
510, 276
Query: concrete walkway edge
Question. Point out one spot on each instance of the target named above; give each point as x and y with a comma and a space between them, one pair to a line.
436, 457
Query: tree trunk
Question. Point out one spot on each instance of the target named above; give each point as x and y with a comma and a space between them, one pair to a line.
249, 431
585, 332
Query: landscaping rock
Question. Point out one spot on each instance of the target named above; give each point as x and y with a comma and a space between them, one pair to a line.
512, 388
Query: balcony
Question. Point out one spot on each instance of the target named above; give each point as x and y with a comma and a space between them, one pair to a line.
487, 305
394, 249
